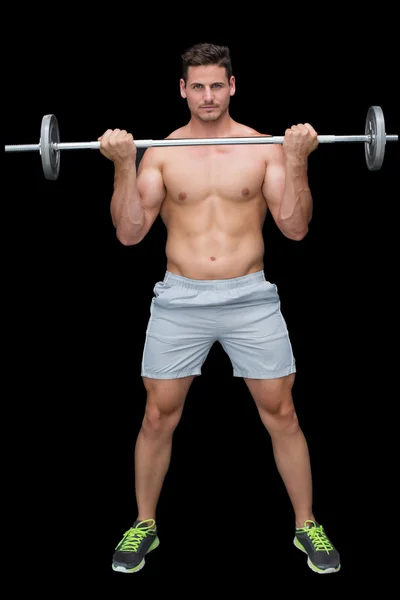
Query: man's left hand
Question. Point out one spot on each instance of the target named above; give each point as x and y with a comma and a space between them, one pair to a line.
299, 141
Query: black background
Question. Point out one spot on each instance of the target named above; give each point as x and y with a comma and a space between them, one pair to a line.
76, 305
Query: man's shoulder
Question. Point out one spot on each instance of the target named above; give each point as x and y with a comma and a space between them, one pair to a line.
242, 130
156, 156
271, 152
181, 132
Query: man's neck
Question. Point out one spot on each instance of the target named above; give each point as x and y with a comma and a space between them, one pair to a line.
210, 129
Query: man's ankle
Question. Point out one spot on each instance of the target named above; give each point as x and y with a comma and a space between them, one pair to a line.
150, 521
305, 522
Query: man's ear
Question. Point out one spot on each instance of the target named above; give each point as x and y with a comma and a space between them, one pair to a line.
232, 85
182, 88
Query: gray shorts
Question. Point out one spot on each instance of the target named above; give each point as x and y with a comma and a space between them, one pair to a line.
188, 315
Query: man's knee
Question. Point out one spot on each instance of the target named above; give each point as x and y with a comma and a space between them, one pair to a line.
274, 402
284, 419
157, 422
164, 404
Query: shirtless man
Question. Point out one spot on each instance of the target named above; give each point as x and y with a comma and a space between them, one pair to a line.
213, 200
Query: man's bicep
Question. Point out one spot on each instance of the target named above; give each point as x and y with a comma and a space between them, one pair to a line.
151, 188
274, 184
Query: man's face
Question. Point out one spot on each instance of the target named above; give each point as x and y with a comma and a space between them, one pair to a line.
207, 91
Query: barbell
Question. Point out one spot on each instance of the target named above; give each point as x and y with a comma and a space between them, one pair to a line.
49, 146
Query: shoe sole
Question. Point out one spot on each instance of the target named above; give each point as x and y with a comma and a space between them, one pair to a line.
139, 567
310, 564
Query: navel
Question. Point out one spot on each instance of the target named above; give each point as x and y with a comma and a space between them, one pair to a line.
245, 191
182, 195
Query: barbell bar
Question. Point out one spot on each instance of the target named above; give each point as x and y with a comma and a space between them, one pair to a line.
49, 146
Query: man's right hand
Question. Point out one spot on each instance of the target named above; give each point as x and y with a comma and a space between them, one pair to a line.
118, 145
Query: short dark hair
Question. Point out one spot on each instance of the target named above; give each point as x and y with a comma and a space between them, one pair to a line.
206, 54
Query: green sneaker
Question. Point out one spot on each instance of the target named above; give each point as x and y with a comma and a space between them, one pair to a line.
140, 539
322, 555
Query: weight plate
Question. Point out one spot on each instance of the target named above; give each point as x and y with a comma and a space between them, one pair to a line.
375, 149
49, 135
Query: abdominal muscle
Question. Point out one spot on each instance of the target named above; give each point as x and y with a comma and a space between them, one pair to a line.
213, 239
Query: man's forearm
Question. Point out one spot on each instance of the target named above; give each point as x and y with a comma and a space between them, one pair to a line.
297, 204
126, 210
